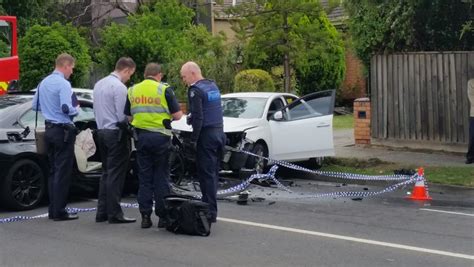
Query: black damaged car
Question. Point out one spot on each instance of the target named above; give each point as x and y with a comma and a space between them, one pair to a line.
24, 172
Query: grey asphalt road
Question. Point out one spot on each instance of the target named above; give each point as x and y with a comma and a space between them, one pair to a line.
282, 230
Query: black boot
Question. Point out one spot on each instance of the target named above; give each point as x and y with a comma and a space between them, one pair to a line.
163, 223
146, 221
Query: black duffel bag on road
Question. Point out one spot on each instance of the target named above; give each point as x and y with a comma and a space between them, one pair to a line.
187, 215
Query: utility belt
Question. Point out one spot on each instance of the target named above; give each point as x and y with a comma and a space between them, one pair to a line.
143, 131
50, 124
213, 127
70, 130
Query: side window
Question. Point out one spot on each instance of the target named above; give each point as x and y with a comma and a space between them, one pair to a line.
85, 114
313, 105
290, 99
29, 117
276, 105
5, 39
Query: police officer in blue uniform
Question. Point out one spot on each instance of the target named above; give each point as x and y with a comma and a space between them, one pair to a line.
208, 139
54, 98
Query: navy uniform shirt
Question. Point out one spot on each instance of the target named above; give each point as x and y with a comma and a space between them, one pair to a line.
199, 106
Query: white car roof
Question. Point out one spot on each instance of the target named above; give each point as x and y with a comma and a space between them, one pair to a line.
257, 94
82, 90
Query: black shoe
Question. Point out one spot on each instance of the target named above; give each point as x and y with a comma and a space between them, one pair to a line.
146, 221
469, 161
163, 223
213, 220
100, 219
121, 219
67, 217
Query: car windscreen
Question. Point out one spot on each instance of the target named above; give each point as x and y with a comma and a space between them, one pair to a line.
243, 107
8, 103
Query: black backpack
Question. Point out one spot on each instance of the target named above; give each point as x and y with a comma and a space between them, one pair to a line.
187, 215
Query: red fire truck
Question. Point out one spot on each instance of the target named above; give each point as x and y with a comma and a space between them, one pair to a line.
9, 62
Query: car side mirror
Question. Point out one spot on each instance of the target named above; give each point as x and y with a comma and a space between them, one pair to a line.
12, 86
278, 116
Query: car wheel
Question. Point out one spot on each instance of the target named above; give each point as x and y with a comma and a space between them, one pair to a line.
177, 168
315, 163
24, 186
259, 164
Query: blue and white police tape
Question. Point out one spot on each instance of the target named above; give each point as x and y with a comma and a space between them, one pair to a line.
342, 175
69, 210
350, 194
270, 175
405, 180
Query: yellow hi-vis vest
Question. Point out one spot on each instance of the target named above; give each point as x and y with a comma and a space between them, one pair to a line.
148, 106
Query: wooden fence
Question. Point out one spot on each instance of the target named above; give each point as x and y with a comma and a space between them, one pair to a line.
421, 96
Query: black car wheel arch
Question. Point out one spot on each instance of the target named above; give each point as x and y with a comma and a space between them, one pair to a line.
23, 186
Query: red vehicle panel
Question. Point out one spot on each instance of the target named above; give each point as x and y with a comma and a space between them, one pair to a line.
9, 61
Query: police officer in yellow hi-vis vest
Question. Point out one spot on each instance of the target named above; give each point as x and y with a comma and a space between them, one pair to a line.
149, 104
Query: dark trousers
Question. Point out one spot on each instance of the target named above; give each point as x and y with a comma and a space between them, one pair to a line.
61, 158
153, 175
115, 158
470, 150
209, 154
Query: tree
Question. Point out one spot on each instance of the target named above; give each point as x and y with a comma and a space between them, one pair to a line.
4, 49
421, 25
32, 12
295, 34
42, 44
165, 34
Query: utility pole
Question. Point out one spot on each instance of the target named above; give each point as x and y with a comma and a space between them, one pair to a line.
286, 60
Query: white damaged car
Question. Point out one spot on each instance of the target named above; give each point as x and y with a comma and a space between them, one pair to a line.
280, 126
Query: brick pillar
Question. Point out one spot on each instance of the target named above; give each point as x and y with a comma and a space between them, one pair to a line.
362, 121
184, 107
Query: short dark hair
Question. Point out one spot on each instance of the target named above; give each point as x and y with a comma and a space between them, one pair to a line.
152, 69
64, 59
124, 63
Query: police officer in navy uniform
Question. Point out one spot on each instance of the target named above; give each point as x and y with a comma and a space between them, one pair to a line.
208, 137
53, 98
151, 105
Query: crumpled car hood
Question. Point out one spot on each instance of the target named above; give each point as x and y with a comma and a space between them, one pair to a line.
230, 124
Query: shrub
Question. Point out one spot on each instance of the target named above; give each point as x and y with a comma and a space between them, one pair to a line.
41, 45
253, 80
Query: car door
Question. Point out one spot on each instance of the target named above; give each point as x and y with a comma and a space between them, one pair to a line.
305, 129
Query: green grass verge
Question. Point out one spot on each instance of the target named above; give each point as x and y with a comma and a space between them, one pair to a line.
463, 176
343, 122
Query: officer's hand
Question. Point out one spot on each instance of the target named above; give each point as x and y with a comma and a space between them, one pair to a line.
189, 119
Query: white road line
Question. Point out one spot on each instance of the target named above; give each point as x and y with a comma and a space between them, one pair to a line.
348, 238
450, 212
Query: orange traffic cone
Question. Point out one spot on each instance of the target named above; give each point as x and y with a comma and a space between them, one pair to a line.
419, 191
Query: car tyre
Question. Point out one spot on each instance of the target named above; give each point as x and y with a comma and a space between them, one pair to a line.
24, 185
258, 164
315, 163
